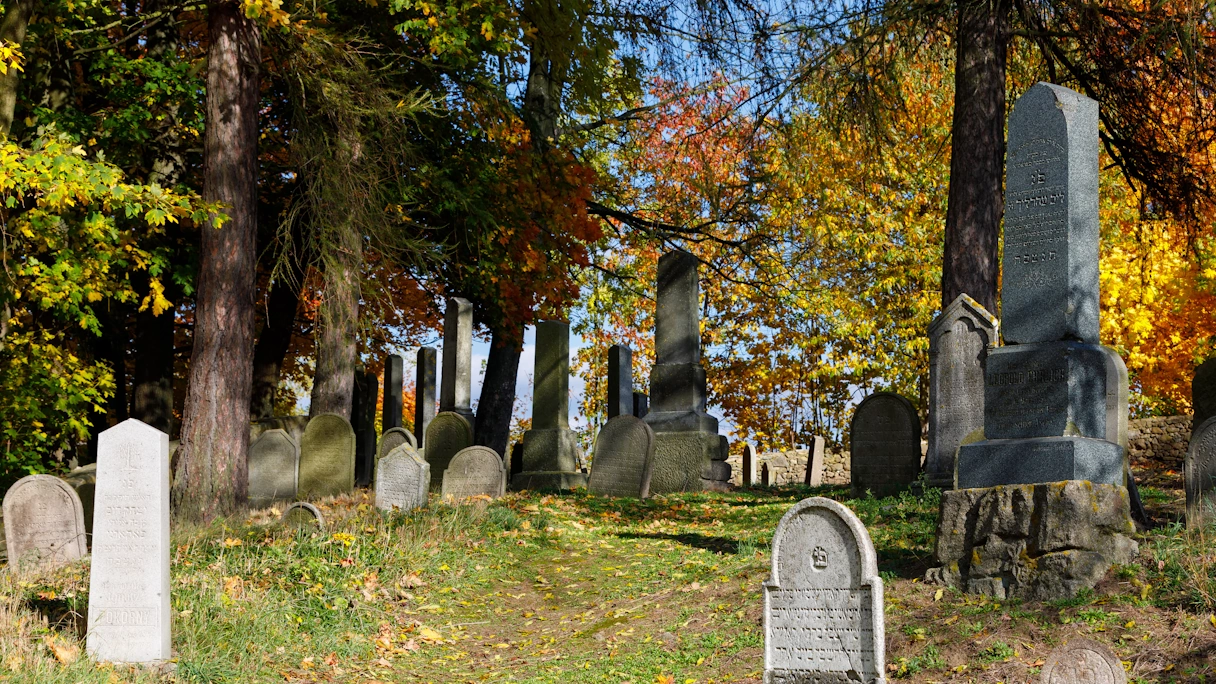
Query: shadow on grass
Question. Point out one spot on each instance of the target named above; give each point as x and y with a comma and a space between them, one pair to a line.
700, 541
63, 614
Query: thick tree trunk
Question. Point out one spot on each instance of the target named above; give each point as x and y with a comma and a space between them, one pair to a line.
211, 461
273, 342
497, 402
973, 215
333, 383
152, 389
12, 30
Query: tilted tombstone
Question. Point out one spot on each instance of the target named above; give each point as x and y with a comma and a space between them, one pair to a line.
958, 350
1199, 473
620, 381
43, 522
814, 463
403, 479
823, 603
327, 457
447, 435
1203, 393
475, 471
393, 438
304, 514
129, 619
457, 380
884, 444
394, 380
551, 452
1082, 661
274, 468
624, 455
424, 393
748, 477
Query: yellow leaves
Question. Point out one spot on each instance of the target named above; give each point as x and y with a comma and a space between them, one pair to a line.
344, 538
430, 636
10, 57
270, 10
230, 542
65, 652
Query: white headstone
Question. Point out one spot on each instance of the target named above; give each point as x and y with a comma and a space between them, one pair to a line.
43, 522
823, 604
403, 479
129, 586
475, 471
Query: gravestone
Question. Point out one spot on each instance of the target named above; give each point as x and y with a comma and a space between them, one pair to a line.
129, 619
1203, 392
292, 425
475, 471
363, 415
814, 463
424, 393
455, 392
274, 468
884, 445
1199, 473
403, 479
624, 455
517, 459
958, 349
393, 438
327, 457
448, 434
394, 379
1082, 661
43, 523
823, 603
304, 514
688, 454
748, 477
764, 475
620, 381
551, 452
641, 404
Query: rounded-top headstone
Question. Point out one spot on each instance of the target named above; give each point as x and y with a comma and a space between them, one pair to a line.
884, 444
393, 438
303, 514
274, 467
823, 603
1199, 474
624, 456
1082, 661
403, 479
475, 471
327, 457
43, 522
448, 433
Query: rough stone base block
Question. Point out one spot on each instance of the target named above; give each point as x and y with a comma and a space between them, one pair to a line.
683, 461
995, 462
1039, 542
537, 481
551, 450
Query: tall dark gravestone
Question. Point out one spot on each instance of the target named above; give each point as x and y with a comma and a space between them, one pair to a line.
363, 421
1200, 475
620, 381
394, 380
884, 443
641, 404
551, 453
958, 350
688, 454
424, 393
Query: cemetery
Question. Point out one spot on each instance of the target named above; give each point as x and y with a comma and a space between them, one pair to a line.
369, 345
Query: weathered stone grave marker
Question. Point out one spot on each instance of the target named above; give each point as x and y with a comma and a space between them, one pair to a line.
363, 422
129, 619
620, 381
304, 514
1203, 393
394, 380
43, 522
814, 462
551, 451
327, 457
403, 479
1199, 474
748, 476
958, 350
884, 443
624, 455
424, 393
641, 404
1082, 661
448, 434
274, 468
393, 438
456, 390
475, 471
823, 603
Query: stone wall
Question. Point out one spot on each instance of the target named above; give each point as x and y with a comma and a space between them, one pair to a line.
1161, 440
789, 467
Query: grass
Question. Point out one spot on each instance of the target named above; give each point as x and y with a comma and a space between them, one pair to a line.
534, 588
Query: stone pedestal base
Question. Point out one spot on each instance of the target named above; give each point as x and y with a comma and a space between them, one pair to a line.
688, 462
550, 461
1038, 542
548, 481
1040, 459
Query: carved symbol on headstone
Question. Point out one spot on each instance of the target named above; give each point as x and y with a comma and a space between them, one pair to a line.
819, 558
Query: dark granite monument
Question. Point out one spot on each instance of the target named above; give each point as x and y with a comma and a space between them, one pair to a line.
884, 439
551, 452
620, 381
424, 393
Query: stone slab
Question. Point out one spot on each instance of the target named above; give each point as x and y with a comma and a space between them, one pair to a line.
552, 449
683, 461
884, 445
1049, 284
641, 404
1042, 459
403, 479
304, 514
823, 602
43, 523
814, 462
424, 393
129, 607
1199, 475
394, 381
327, 457
457, 378
677, 317
1082, 661
551, 378
475, 471
624, 457
448, 434
363, 421
750, 457
393, 438
958, 348
274, 468
1203, 392
620, 381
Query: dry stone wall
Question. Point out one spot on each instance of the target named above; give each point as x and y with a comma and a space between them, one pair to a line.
1159, 440
789, 467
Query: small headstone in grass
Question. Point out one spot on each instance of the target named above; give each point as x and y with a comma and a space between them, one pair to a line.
43, 522
303, 514
403, 479
884, 438
748, 477
814, 463
475, 471
274, 467
327, 457
129, 579
1081, 661
624, 454
823, 603
1200, 474
764, 475
393, 438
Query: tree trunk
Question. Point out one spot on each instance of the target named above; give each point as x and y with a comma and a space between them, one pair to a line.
211, 468
973, 213
333, 383
152, 390
497, 402
12, 30
273, 342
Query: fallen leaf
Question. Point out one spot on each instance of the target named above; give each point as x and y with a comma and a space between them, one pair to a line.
65, 653
937, 595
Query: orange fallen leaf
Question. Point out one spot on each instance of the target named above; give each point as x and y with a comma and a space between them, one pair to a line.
65, 653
